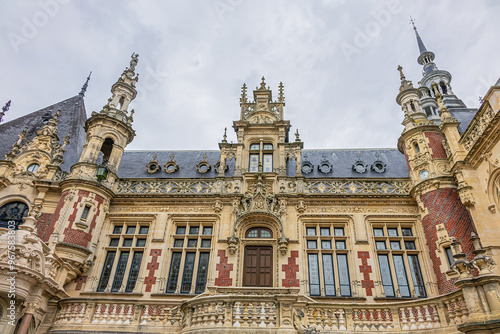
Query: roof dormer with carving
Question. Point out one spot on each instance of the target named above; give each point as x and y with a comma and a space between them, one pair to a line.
262, 109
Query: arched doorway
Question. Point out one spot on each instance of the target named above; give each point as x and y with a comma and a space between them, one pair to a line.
258, 259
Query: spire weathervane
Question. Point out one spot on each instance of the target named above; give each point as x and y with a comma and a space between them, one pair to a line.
5, 108
85, 85
413, 23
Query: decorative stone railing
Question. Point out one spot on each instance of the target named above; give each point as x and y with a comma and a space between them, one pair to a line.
216, 311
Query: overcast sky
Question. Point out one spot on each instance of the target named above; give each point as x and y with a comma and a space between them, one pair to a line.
336, 58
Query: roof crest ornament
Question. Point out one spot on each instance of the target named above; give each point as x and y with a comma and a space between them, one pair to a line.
85, 85
5, 108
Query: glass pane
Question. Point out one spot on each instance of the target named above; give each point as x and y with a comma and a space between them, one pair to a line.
392, 232
340, 244
174, 272
130, 229
344, 280
311, 231
328, 275
192, 242
385, 272
324, 231
326, 244
378, 232
380, 244
449, 256
402, 280
312, 244
254, 147
268, 163
143, 230
410, 245
395, 245
85, 212
194, 230
406, 232
313, 275
253, 165
117, 230
205, 243
140, 243
114, 242
187, 276
120, 271
253, 233
201, 280
106, 271
339, 231
207, 230
416, 275
265, 233
127, 242
178, 242
180, 230
267, 147
134, 271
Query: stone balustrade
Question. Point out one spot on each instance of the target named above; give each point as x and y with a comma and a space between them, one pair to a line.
214, 311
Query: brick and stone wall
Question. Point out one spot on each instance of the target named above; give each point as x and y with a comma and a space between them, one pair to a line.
436, 144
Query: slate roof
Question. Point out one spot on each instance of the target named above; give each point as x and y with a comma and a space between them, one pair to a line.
72, 118
464, 116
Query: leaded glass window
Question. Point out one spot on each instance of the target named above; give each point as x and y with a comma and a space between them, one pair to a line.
134, 271
328, 275
120, 271
345, 284
106, 271
173, 276
187, 276
399, 268
201, 280
385, 272
13, 211
314, 287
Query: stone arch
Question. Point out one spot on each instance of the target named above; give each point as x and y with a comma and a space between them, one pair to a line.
260, 219
494, 188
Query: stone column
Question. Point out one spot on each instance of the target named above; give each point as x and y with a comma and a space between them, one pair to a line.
25, 323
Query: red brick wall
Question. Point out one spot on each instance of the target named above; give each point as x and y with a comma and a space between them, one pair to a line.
436, 145
76, 236
366, 270
291, 269
445, 207
224, 270
152, 266
45, 225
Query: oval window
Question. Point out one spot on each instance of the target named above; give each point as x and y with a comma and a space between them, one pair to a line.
33, 168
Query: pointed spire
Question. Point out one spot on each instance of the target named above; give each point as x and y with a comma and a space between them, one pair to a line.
421, 45
4, 109
85, 85
262, 84
243, 98
281, 96
224, 138
426, 57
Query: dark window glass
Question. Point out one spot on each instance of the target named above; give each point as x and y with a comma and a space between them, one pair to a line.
314, 288
268, 162
312, 244
207, 230
395, 245
378, 232
13, 211
85, 212
130, 229
345, 283
143, 230
449, 256
106, 271
180, 230
201, 279
205, 243
328, 275
324, 231
120, 271
114, 242
134, 271
401, 278
392, 232
380, 244
253, 164
326, 244
187, 275
178, 242
140, 243
385, 272
117, 230
340, 244
406, 232
416, 275
192, 242
410, 245
311, 231
194, 230
173, 276
127, 242
339, 231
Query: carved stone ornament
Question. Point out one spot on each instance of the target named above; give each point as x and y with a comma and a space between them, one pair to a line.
301, 325
203, 166
360, 167
153, 166
217, 206
307, 167
217, 167
301, 207
379, 166
325, 167
171, 166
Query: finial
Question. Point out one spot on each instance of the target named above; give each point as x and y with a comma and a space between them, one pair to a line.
297, 136
263, 83
413, 23
134, 61
85, 85
224, 138
281, 94
155, 156
4, 109
243, 98
400, 69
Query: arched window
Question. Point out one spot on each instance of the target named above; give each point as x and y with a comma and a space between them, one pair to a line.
416, 147
259, 232
122, 100
443, 87
106, 148
13, 212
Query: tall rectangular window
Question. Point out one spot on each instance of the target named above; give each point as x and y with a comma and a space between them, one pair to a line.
399, 267
345, 283
85, 212
449, 256
201, 280
328, 275
385, 272
314, 288
173, 276
187, 276
416, 274
254, 163
134, 271
106, 271
120, 271
268, 163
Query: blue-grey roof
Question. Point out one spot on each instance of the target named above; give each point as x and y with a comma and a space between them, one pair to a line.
72, 118
133, 164
343, 160
464, 116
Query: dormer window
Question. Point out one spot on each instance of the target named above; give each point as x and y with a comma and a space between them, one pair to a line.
260, 152
33, 168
